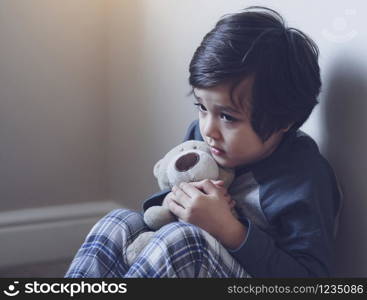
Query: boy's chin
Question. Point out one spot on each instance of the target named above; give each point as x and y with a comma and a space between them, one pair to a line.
222, 163
228, 164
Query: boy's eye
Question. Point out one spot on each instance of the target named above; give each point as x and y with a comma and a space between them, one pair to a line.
200, 106
228, 118
225, 117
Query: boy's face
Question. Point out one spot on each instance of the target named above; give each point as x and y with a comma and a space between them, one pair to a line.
227, 128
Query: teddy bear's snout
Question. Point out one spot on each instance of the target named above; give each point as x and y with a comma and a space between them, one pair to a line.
187, 161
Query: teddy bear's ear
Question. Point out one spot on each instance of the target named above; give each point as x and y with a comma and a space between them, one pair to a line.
156, 168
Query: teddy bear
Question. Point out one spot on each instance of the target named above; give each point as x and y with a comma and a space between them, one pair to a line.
189, 161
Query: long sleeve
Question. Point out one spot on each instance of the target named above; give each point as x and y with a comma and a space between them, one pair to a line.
301, 212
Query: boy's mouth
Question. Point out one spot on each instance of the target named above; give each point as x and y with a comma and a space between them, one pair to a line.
216, 151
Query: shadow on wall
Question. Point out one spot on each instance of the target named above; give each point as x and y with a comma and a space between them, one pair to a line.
345, 109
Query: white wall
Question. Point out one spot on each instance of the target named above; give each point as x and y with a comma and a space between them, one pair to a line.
93, 92
53, 97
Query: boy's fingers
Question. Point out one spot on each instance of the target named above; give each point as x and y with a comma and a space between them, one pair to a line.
189, 189
169, 198
176, 209
207, 186
218, 182
232, 204
221, 186
180, 197
210, 186
198, 184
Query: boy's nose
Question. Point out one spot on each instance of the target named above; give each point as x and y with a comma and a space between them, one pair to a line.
211, 131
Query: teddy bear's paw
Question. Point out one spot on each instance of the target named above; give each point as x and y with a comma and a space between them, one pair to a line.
137, 246
157, 216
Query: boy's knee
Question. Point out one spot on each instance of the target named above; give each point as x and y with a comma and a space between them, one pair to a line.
180, 231
181, 228
121, 216
122, 213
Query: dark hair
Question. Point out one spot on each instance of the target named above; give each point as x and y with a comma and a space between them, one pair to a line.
283, 61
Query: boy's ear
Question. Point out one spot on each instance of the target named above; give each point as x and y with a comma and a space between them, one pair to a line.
287, 128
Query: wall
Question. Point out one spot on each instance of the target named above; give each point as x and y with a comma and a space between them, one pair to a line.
53, 102
149, 109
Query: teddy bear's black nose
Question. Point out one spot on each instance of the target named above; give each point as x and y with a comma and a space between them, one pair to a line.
187, 161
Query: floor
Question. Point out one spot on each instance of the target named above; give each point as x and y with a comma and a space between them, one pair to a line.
54, 269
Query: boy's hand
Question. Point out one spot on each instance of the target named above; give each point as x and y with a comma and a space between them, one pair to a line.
167, 199
207, 205
219, 183
220, 186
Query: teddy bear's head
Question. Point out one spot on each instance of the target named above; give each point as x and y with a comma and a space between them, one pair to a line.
187, 162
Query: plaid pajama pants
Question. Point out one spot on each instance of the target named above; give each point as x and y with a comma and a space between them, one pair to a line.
178, 249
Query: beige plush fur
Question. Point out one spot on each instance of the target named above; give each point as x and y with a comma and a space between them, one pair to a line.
189, 161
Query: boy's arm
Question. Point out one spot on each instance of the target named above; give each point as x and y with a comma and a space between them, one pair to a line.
302, 244
192, 133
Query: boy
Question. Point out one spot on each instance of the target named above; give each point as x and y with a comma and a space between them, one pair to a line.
255, 82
